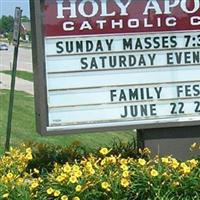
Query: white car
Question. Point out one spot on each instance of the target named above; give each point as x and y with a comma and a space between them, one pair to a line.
3, 47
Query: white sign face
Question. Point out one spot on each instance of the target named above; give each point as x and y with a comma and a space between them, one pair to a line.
123, 79
124, 66
17, 24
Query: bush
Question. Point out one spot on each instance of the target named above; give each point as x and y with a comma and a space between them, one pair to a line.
101, 175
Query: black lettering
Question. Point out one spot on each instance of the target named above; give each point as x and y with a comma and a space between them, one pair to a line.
158, 91
93, 63
142, 61
197, 108
134, 111
122, 96
148, 94
196, 57
89, 45
156, 42
99, 46
165, 41
196, 90
132, 60
109, 43
178, 57
138, 44
122, 61
127, 44
188, 90
60, 47
102, 58
147, 41
179, 89
84, 63
79, 46
113, 61
143, 110
169, 59
133, 95
113, 94
151, 58
69, 47
187, 57
153, 110
173, 41
125, 112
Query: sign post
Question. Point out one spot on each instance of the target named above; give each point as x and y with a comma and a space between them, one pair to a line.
107, 65
16, 35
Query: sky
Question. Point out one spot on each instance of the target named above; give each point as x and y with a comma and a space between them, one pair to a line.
7, 7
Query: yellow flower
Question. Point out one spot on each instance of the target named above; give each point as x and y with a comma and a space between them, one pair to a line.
56, 193
174, 163
9, 175
186, 169
146, 150
64, 197
91, 171
5, 195
124, 167
165, 160
73, 179
50, 191
36, 171
75, 168
67, 168
154, 172
28, 150
124, 182
20, 181
76, 198
194, 145
176, 183
123, 161
125, 174
34, 185
60, 178
193, 163
78, 188
104, 151
29, 156
78, 173
141, 161
105, 185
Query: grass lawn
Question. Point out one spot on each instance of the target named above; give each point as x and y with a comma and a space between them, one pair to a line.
23, 126
21, 74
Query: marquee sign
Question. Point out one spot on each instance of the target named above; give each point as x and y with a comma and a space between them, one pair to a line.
107, 64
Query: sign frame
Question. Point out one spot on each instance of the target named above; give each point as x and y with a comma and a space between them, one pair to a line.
40, 88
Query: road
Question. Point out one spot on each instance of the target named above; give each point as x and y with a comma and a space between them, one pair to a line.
24, 64
24, 59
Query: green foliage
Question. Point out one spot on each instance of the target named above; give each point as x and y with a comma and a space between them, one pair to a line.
98, 175
23, 126
21, 74
46, 155
6, 24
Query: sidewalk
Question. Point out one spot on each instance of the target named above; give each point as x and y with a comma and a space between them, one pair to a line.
20, 84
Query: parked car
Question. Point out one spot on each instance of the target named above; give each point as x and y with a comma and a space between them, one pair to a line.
3, 47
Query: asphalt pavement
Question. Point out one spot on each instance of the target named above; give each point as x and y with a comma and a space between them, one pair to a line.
24, 63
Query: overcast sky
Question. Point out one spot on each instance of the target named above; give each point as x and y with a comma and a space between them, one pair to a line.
7, 7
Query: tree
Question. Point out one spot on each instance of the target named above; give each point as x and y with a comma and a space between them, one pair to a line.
6, 24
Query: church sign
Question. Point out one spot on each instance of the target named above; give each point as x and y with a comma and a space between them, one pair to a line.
102, 64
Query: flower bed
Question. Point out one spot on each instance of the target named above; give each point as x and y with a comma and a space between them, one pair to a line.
100, 176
